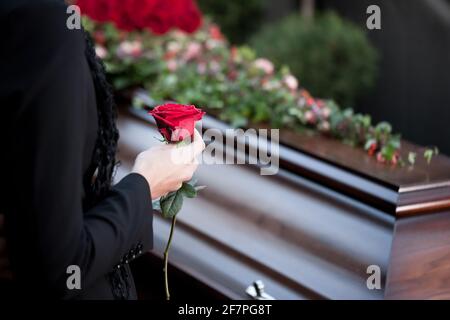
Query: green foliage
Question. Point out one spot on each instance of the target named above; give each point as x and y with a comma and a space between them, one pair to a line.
171, 204
238, 19
429, 153
332, 57
231, 83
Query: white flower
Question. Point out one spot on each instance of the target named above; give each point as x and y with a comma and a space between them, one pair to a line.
326, 112
264, 65
212, 44
291, 82
271, 85
129, 49
173, 47
100, 51
324, 126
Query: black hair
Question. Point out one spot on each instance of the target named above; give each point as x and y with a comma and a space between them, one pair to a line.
104, 157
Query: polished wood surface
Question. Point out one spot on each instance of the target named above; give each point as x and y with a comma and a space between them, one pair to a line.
419, 266
420, 188
303, 240
400, 191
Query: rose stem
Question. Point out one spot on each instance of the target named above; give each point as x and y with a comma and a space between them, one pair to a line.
166, 257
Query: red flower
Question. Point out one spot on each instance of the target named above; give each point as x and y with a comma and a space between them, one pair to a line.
373, 147
99, 10
99, 37
395, 158
154, 15
176, 121
124, 14
157, 15
187, 16
215, 33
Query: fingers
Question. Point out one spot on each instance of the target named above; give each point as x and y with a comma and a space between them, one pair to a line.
187, 154
189, 172
198, 144
178, 186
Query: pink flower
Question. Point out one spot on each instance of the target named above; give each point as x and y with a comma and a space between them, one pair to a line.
101, 52
310, 117
172, 65
324, 126
395, 158
326, 112
201, 68
310, 101
380, 157
215, 33
193, 50
129, 49
264, 65
291, 82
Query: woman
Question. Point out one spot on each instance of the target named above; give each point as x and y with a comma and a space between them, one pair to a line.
59, 142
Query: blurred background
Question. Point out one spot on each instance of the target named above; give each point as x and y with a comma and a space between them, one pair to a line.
406, 78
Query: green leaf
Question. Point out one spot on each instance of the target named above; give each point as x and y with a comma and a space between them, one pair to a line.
171, 204
383, 127
156, 205
428, 154
412, 158
188, 190
388, 152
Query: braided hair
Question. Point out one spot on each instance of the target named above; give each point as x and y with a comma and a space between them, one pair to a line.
104, 158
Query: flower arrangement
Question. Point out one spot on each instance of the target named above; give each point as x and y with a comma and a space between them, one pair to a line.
202, 68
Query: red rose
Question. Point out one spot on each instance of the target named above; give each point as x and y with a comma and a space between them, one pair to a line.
187, 15
99, 10
373, 147
159, 16
176, 122
123, 14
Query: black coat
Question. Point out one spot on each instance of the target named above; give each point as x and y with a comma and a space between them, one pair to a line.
48, 129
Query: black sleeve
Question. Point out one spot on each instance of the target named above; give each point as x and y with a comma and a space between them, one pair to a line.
43, 96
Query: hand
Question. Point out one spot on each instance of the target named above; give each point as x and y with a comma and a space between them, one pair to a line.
5, 272
166, 167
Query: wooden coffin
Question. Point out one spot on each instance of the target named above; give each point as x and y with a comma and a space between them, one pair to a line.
309, 232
